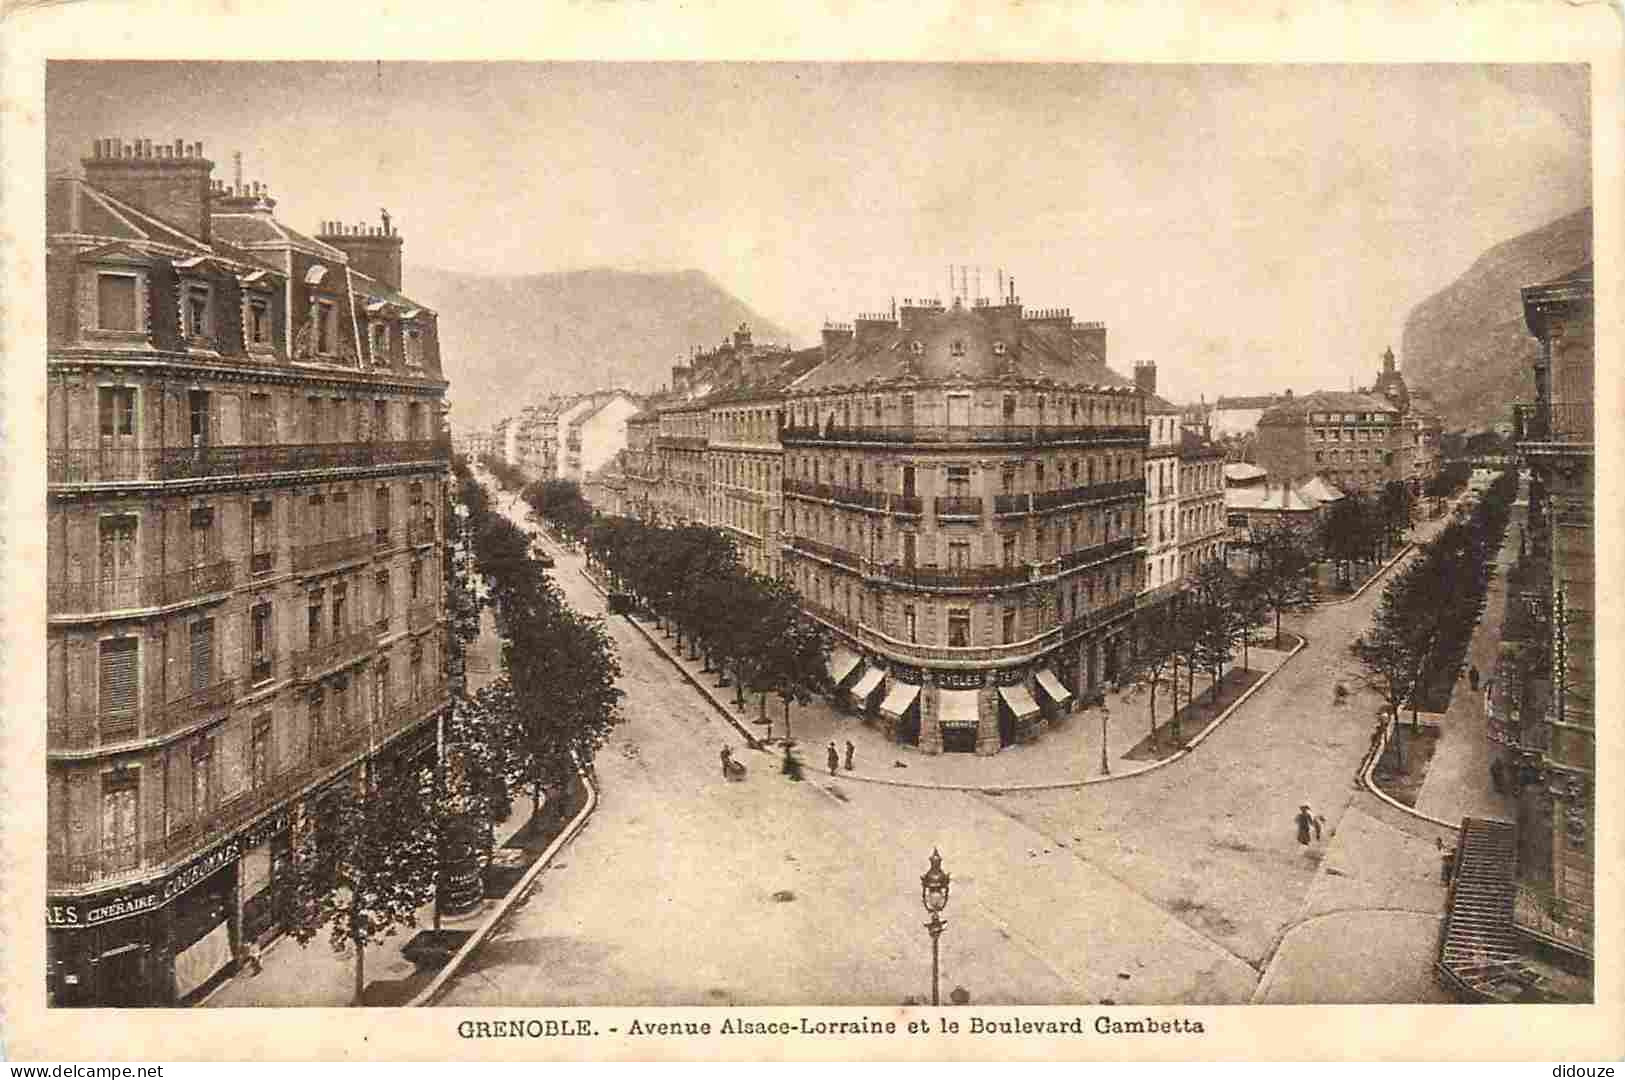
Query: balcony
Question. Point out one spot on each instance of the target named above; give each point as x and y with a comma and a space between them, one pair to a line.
97, 465
306, 664
110, 864
1560, 422
974, 434
1096, 553
908, 505
421, 615
313, 557
138, 591
87, 731
682, 442
955, 577
1111, 489
960, 507
826, 551
380, 539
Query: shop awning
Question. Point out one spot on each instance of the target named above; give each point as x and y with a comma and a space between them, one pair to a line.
841, 663
1020, 701
898, 699
867, 685
957, 708
1052, 687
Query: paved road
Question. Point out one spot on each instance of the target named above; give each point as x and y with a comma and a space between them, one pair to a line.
1174, 887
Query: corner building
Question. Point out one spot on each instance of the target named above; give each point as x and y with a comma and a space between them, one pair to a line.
964, 495
245, 482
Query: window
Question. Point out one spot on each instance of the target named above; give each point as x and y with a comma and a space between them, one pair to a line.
259, 753
118, 671
259, 539
341, 597
415, 671
201, 651
959, 627
324, 327
416, 579
119, 823
203, 776
959, 555
380, 343
380, 420
1010, 550
202, 535
116, 302
1009, 625
910, 623
261, 422
197, 322
958, 480
318, 727
958, 410
259, 621
259, 321
117, 557
380, 517
115, 408
198, 401
381, 599
313, 616
414, 347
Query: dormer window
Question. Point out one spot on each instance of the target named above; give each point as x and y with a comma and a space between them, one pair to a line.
414, 347
956, 349
998, 348
324, 315
116, 296
380, 343
259, 321
195, 313
916, 347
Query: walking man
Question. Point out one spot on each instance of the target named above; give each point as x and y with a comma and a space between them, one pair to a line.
1305, 823
849, 751
727, 759
834, 759
1472, 677
1318, 820
1498, 776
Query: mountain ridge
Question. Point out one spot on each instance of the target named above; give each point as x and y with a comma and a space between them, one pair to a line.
1467, 346
509, 339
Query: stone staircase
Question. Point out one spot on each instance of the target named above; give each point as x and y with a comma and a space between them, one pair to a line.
1479, 955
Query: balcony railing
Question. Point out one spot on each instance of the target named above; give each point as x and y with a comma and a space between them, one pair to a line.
682, 442
138, 591
958, 506
1096, 553
826, 551
421, 615
1009, 434
307, 663
122, 465
114, 862
319, 556
1553, 422
955, 577
87, 731
912, 505
381, 538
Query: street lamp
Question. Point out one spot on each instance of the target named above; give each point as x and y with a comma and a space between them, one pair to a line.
1105, 766
934, 895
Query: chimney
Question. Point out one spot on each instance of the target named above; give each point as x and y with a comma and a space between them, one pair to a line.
1145, 376
174, 185
742, 336
679, 378
835, 336
374, 251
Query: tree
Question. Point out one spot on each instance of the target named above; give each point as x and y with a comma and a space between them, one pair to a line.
1343, 535
794, 660
363, 864
1212, 614
1392, 651
1153, 657
1281, 578
1251, 608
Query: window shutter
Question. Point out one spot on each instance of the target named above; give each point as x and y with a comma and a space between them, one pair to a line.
119, 682
202, 653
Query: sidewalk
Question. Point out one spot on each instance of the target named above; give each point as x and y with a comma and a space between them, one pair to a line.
1067, 753
314, 974
1458, 780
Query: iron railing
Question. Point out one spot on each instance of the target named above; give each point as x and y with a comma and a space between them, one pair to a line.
92, 465
307, 663
958, 506
1007, 434
311, 557
955, 577
874, 640
826, 551
113, 862
138, 591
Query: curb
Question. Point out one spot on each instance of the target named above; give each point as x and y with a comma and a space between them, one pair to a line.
1370, 766
705, 692
436, 986
1376, 575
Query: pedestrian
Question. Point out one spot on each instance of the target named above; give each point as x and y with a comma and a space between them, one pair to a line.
251, 957
850, 749
1319, 823
834, 759
1305, 822
727, 756
1498, 775
1472, 677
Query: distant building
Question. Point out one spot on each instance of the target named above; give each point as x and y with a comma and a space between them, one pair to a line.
1347, 436
1162, 468
1201, 503
1237, 416
594, 435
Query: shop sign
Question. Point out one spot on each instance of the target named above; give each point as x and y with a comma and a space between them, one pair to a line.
80, 914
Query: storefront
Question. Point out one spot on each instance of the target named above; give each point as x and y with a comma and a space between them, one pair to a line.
153, 943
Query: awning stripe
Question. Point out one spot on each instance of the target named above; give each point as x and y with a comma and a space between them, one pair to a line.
841, 664
1053, 687
1020, 701
957, 708
898, 699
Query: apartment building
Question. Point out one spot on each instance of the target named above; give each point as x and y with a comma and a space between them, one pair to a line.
244, 499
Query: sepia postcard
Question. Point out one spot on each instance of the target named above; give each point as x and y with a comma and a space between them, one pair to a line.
1022, 531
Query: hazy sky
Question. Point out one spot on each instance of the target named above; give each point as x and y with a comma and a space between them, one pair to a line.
1248, 228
